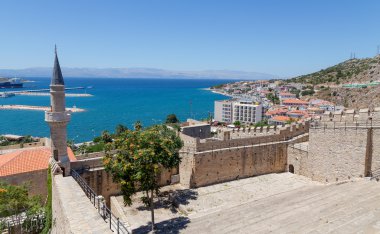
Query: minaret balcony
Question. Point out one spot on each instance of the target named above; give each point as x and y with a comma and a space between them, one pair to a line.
57, 116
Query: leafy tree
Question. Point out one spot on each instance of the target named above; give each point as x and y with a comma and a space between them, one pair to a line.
273, 98
307, 92
138, 126
140, 156
70, 143
120, 129
97, 139
262, 123
14, 200
172, 118
106, 137
237, 123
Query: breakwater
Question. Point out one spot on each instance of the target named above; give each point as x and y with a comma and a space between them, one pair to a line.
48, 94
36, 108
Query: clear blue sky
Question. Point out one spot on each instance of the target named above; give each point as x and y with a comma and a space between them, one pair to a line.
279, 37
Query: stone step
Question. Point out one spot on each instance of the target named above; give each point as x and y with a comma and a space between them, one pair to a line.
334, 210
306, 214
275, 212
260, 206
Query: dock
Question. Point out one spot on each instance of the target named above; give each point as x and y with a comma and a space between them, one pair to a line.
36, 108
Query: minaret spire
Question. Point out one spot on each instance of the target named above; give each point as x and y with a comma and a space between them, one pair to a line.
58, 118
57, 78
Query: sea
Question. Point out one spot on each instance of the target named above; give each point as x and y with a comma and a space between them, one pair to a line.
114, 101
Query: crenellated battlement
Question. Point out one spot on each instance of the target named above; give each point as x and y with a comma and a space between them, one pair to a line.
353, 116
245, 137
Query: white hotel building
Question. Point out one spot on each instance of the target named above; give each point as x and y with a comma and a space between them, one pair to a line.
229, 111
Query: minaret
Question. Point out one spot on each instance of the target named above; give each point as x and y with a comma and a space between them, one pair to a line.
58, 118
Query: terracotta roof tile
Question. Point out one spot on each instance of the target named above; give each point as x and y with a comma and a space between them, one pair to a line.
295, 101
27, 160
22, 161
281, 118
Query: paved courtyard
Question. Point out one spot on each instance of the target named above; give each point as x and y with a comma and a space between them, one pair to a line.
274, 203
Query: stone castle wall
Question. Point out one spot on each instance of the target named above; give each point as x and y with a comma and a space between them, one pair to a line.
92, 171
36, 181
353, 116
210, 167
60, 222
215, 161
248, 137
332, 155
341, 146
375, 165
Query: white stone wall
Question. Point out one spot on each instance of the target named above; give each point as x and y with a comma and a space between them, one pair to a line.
333, 155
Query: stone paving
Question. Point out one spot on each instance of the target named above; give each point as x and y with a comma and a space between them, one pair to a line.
81, 215
274, 203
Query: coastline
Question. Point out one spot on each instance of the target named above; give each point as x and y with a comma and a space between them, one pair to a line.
221, 93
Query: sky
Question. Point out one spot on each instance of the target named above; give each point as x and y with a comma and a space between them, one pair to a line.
284, 38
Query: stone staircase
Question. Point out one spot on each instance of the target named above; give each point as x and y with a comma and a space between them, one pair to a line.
347, 207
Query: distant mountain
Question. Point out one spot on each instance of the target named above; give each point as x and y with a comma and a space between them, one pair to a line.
135, 73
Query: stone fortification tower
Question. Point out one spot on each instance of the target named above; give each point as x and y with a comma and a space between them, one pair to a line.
58, 118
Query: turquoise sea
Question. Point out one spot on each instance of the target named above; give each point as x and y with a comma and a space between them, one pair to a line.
115, 101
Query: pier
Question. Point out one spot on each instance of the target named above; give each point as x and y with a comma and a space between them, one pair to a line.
45, 92
36, 108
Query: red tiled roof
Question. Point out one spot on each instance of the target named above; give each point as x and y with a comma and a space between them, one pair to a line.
27, 160
295, 101
297, 112
22, 161
276, 112
71, 155
287, 94
281, 118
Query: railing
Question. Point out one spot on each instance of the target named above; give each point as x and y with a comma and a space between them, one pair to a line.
114, 223
345, 124
22, 224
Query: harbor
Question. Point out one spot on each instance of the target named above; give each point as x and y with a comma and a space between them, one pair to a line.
36, 108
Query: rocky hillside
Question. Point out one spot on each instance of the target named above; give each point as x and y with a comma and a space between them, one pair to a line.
351, 98
350, 71
328, 83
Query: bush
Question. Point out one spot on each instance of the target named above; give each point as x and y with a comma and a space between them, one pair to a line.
48, 206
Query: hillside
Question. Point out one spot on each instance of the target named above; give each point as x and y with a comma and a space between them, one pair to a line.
350, 71
328, 83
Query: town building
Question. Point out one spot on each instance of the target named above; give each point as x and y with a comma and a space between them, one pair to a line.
286, 95
279, 120
294, 103
244, 111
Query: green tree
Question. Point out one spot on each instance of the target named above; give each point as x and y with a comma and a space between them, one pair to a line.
262, 123
172, 118
120, 129
273, 98
237, 124
106, 137
138, 126
14, 200
139, 158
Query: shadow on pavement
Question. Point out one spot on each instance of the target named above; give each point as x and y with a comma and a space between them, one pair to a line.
171, 226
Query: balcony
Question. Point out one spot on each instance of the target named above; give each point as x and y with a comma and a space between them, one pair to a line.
57, 116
